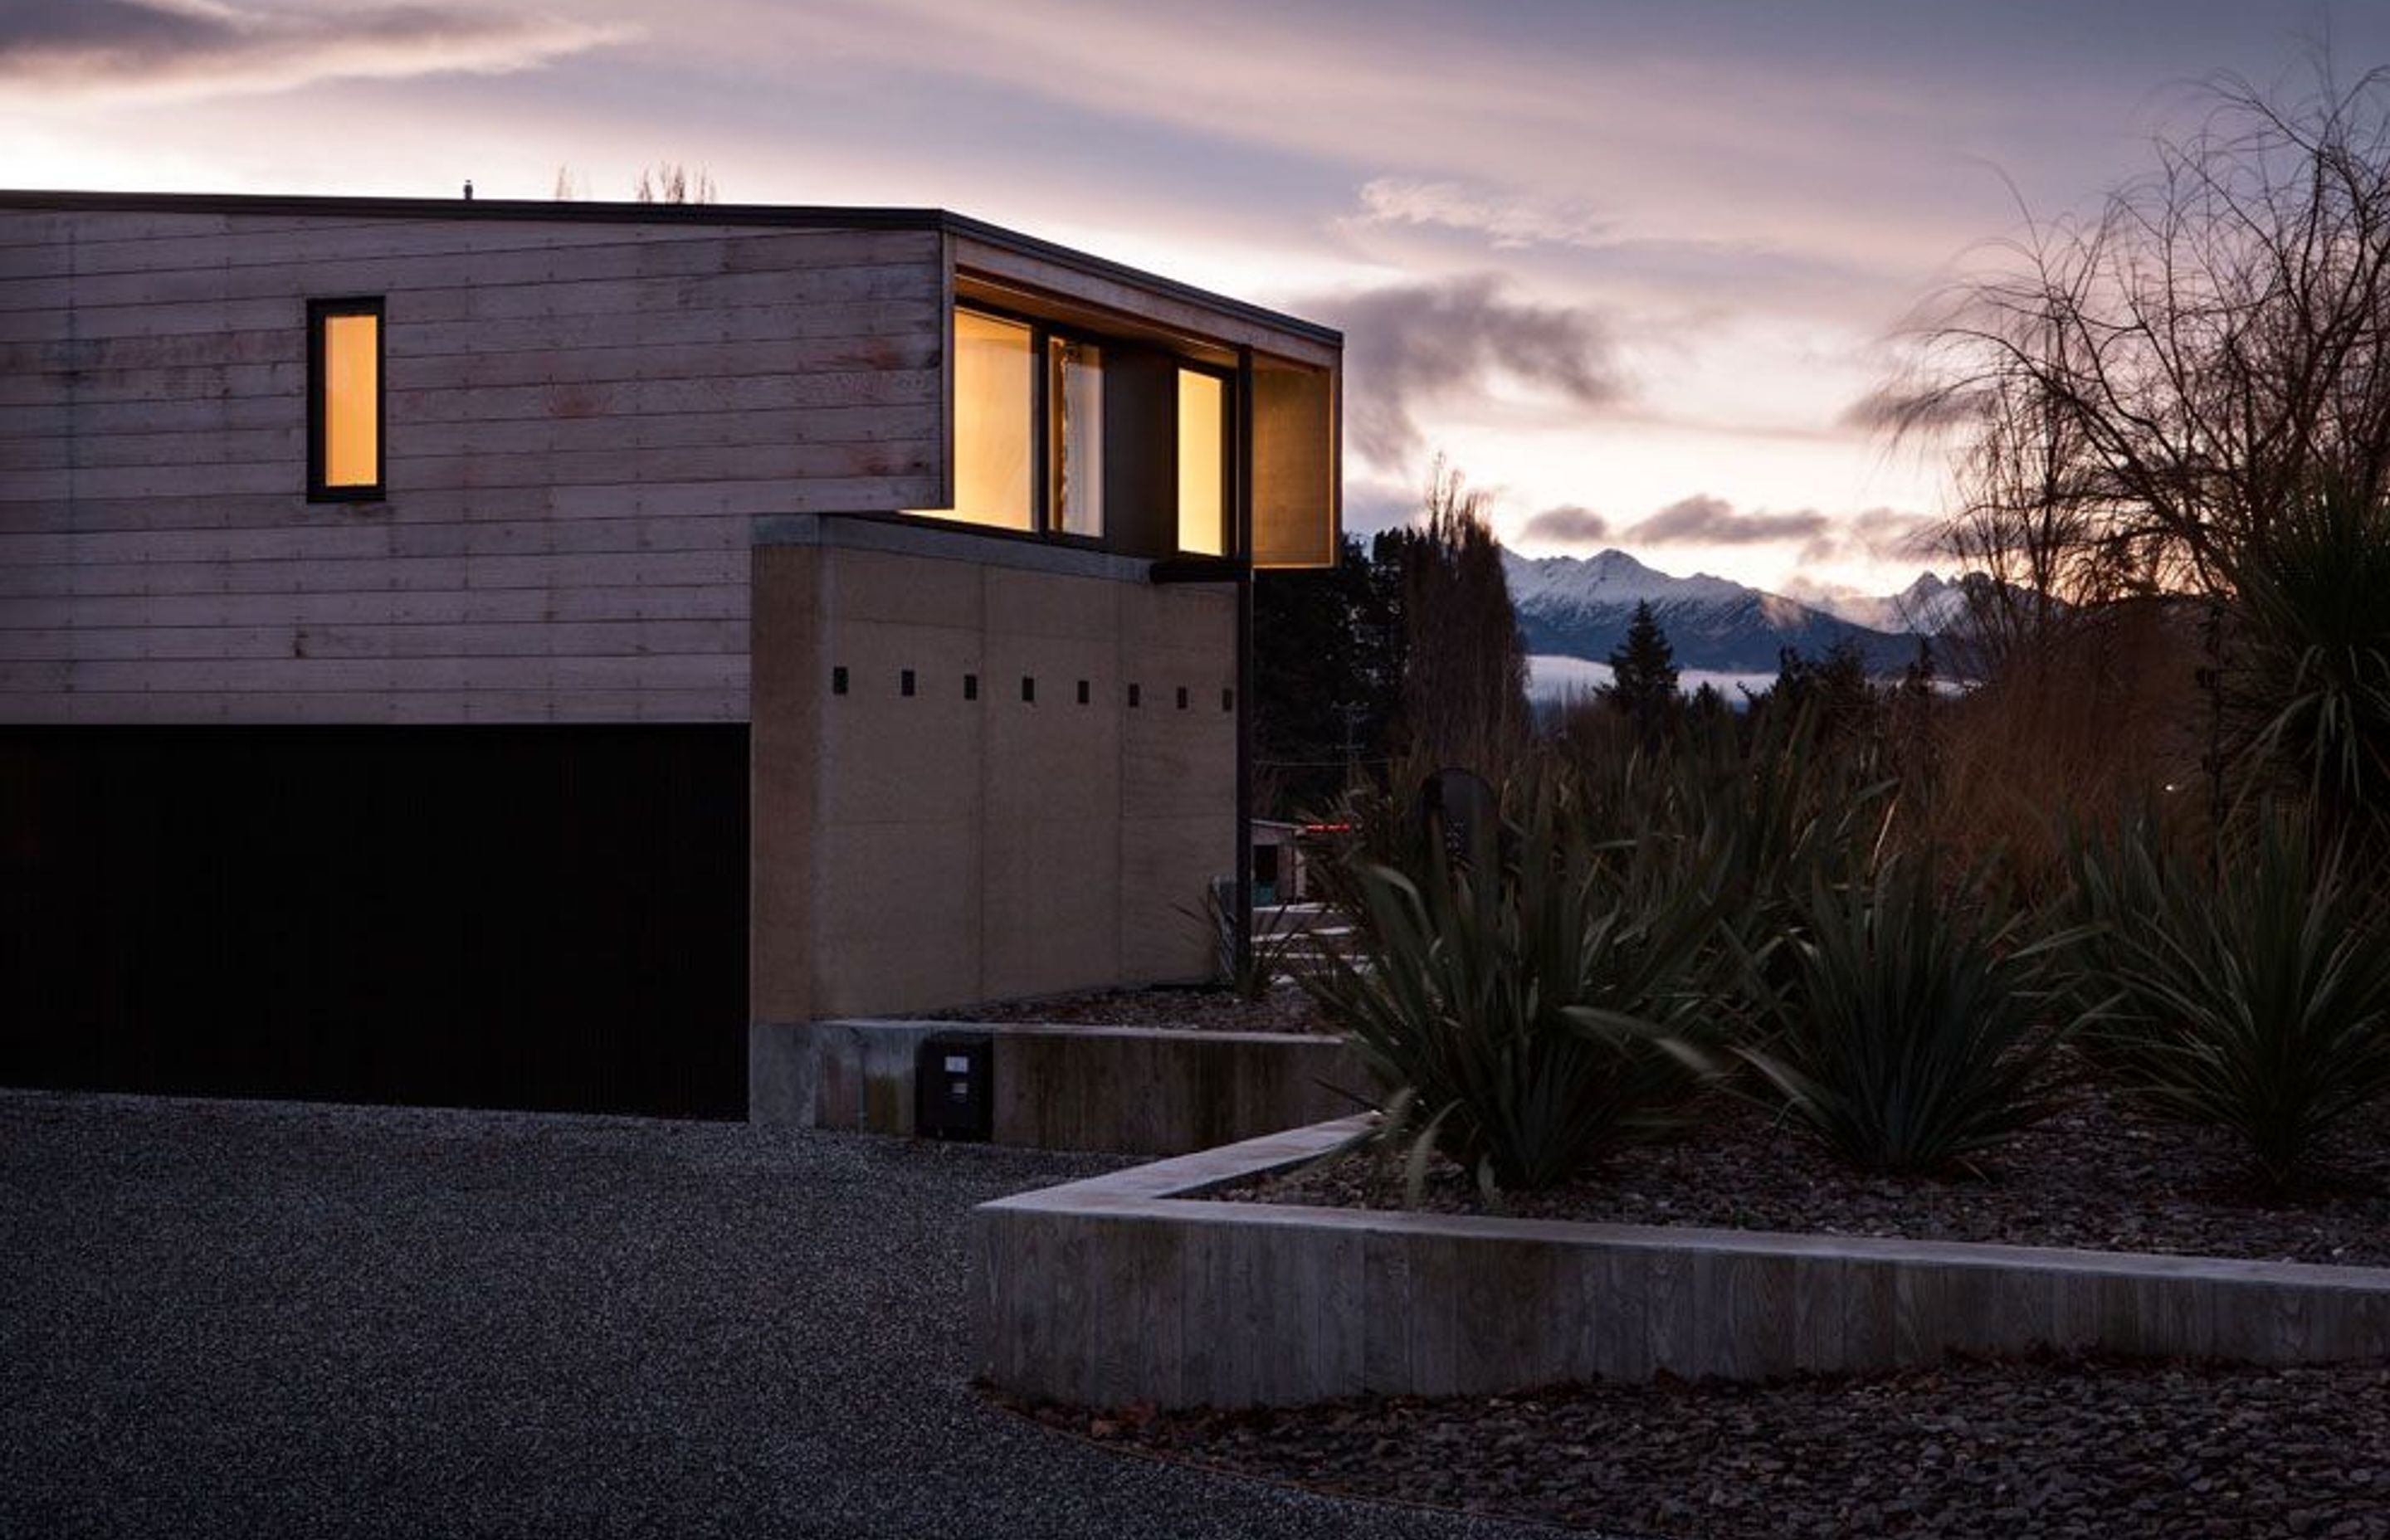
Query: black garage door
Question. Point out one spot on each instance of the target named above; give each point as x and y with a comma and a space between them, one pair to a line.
550, 917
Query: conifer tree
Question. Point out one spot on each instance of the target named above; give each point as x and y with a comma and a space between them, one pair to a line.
1643, 672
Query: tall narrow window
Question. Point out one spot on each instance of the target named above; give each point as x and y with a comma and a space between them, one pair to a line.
344, 400
996, 395
1076, 435
1202, 463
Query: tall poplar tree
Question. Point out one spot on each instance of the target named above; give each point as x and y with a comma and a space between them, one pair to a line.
1465, 685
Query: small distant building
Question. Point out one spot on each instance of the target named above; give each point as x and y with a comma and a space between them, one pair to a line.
1278, 862
516, 653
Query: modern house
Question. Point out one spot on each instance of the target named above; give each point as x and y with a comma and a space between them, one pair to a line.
511, 653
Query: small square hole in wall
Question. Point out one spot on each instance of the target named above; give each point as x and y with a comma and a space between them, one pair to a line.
1182, 698
905, 682
971, 686
1227, 700
1136, 696
838, 681
1028, 689
1083, 692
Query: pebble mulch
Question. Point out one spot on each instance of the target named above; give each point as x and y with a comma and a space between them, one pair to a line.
2063, 1447
2095, 1175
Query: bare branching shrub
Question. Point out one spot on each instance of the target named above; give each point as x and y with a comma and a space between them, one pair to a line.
665, 182
2142, 394
2186, 394
2100, 714
671, 181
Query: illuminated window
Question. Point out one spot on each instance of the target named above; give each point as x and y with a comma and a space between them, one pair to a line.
996, 405
344, 400
1202, 463
1075, 455
1096, 438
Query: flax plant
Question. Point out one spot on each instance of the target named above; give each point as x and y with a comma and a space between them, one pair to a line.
2257, 1000
1909, 1023
1535, 1004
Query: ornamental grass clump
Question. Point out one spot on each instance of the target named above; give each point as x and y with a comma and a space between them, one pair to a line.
1906, 1028
1526, 1005
2255, 1000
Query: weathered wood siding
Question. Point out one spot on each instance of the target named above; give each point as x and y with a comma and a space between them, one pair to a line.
583, 417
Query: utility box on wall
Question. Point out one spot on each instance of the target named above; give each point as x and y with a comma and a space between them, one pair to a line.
954, 1086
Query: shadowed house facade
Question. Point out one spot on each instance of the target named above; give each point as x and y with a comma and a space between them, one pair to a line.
520, 653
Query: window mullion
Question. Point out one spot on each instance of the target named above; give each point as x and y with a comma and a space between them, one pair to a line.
1041, 432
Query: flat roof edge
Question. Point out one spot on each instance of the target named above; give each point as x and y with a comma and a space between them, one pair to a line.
784, 216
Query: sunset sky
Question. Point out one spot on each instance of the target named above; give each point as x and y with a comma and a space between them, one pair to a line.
1628, 264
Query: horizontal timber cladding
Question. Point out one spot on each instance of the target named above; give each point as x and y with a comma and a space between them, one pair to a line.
582, 419
538, 917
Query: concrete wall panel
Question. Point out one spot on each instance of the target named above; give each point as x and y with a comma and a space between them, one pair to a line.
1284, 1304
1131, 1090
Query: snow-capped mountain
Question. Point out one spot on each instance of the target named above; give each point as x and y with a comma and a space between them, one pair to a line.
1578, 607
1929, 606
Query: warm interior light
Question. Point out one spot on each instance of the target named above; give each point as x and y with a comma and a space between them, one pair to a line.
1203, 437
1293, 418
995, 379
351, 401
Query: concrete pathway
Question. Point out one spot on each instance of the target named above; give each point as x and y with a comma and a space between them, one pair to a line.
257, 1319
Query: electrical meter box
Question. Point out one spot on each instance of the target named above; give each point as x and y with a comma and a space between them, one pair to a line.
954, 1086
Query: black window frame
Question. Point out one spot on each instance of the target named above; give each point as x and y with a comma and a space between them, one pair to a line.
1049, 379
318, 312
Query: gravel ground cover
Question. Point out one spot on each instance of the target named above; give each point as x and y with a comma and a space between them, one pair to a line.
263, 1320
2075, 1447
2095, 1176
1283, 1008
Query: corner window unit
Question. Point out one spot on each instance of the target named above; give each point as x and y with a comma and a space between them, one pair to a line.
1095, 440
344, 400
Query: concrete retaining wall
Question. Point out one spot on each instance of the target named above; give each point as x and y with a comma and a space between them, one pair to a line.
1126, 1288
1131, 1090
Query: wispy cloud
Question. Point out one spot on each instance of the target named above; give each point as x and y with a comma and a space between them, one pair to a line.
1412, 347
197, 47
1371, 506
1878, 535
1510, 219
1899, 408
1566, 525
1705, 521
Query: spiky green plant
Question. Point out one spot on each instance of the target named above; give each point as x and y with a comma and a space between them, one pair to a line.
1778, 807
2256, 1001
2311, 694
2118, 879
1908, 1024
1523, 1007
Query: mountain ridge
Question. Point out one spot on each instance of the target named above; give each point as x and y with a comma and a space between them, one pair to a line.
1578, 607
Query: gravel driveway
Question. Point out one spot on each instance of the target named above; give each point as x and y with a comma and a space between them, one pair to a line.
258, 1319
